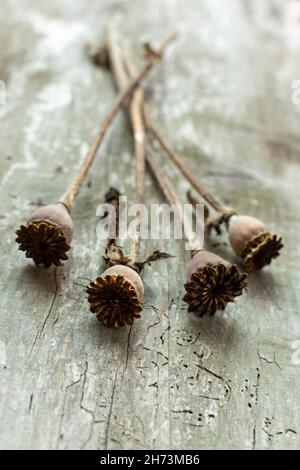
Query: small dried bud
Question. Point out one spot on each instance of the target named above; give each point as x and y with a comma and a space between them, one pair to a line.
100, 56
47, 235
115, 297
251, 240
212, 283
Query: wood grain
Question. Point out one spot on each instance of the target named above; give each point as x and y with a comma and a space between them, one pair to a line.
224, 98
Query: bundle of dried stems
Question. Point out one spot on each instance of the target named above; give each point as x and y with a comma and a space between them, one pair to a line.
116, 296
212, 282
48, 232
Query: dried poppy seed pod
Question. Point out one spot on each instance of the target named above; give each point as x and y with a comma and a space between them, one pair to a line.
57, 214
212, 283
47, 235
251, 240
115, 297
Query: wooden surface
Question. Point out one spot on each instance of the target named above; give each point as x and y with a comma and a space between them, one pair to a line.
224, 98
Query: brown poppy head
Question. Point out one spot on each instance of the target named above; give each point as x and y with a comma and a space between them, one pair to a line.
212, 283
47, 234
115, 297
251, 240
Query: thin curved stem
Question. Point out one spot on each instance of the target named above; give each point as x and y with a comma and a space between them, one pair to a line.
136, 114
163, 180
171, 197
116, 63
137, 121
68, 198
134, 111
176, 158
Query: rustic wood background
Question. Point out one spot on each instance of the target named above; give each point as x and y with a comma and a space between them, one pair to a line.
224, 98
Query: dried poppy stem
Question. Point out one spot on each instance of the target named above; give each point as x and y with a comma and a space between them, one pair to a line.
116, 296
137, 122
115, 62
171, 197
248, 236
212, 282
139, 149
47, 235
163, 181
194, 201
134, 110
180, 164
68, 198
113, 252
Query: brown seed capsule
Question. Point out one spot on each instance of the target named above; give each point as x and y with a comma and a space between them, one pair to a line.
251, 240
212, 283
47, 235
115, 297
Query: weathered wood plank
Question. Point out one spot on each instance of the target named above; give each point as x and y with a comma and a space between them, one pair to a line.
223, 98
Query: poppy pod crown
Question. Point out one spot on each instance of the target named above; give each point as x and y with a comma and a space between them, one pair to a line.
58, 215
47, 235
212, 283
251, 240
116, 296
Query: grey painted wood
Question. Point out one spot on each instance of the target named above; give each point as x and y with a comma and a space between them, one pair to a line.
224, 98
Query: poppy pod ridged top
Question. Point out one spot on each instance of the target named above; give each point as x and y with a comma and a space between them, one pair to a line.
251, 240
116, 296
47, 235
212, 283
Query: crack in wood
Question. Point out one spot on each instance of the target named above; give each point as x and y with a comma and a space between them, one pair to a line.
262, 358
40, 331
108, 422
